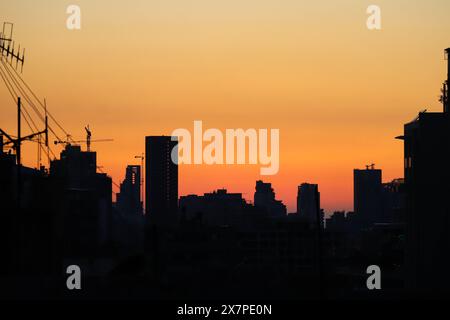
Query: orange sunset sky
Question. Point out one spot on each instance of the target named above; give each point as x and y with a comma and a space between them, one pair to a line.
338, 92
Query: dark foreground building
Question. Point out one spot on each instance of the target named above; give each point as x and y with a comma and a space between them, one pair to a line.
427, 183
53, 219
83, 200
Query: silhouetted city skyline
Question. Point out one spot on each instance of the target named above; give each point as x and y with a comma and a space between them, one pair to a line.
152, 241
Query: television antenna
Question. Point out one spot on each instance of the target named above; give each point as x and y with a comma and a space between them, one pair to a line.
7, 46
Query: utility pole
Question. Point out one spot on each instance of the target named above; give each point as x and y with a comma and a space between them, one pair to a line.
46, 134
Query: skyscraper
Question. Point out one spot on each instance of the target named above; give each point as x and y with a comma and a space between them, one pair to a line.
427, 184
129, 197
265, 198
367, 195
308, 202
161, 180
427, 181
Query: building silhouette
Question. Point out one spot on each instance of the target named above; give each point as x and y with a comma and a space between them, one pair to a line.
128, 216
217, 208
129, 197
308, 203
427, 183
427, 180
83, 200
27, 220
161, 180
367, 195
264, 198
394, 201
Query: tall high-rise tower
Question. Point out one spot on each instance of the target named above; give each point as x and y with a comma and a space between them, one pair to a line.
367, 195
308, 202
427, 184
161, 183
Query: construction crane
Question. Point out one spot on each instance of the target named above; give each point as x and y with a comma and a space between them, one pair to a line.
88, 140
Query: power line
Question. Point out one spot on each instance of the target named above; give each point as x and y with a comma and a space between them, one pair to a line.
40, 103
23, 93
27, 98
14, 95
24, 111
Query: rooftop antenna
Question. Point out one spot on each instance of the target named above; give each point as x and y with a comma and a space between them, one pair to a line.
7, 50
370, 166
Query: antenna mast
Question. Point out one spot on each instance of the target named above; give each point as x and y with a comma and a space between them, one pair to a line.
7, 47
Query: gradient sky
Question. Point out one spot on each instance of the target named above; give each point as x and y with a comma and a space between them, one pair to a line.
338, 92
